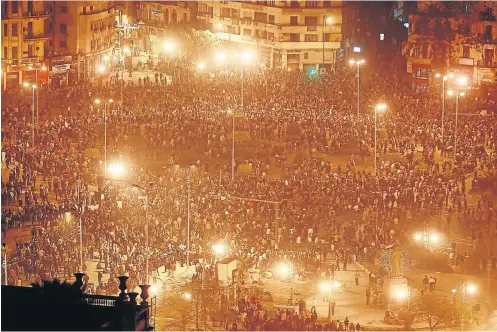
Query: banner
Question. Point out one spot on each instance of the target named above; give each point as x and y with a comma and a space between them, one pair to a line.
60, 69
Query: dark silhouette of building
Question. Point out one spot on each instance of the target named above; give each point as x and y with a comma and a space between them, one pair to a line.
56, 306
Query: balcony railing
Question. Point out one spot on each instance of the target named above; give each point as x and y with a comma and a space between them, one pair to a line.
487, 64
101, 300
31, 36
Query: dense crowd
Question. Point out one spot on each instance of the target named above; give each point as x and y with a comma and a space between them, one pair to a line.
175, 140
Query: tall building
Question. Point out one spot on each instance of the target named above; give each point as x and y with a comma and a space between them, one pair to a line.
459, 37
24, 39
289, 35
82, 33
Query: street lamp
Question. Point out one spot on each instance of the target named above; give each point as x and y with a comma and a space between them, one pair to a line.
445, 78
146, 192
116, 169
187, 296
98, 101
220, 57
326, 288
33, 87
101, 69
358, 63
284, 271
378, 108
168, 46
326, 20
219, 249
201, 66
458, 94
189, 167
466, 288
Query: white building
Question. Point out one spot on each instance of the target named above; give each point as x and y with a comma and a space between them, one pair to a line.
291, 35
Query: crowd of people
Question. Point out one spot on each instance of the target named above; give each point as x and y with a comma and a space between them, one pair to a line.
175, 140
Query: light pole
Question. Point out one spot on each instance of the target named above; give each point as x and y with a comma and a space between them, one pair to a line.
42, 68
458, 94
81, 208
285, 270
33, 87
98, 101
358, 63
377, 108
188, 180
145, 191
326, 20
4, 246
465, 289
445, 78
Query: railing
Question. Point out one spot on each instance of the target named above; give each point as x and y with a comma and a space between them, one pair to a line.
487, 64
38, 36
100, 300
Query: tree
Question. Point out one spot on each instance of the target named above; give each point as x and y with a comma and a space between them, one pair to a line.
180, 311
436, 310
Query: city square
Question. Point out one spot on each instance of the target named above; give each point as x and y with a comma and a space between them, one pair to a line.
249, 165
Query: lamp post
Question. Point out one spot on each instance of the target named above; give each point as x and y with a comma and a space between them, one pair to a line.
188, 180
445, 78
285, 270
358, 63
377, 108
458, 94
4, 246
42, 68
466, 288
326, 20
98, 101
145, 191
326, 288
33, 87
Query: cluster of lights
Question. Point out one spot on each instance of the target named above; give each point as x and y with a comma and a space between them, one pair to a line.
433, 238
116, 169
357, 62
219, 249
284, 269
328, 286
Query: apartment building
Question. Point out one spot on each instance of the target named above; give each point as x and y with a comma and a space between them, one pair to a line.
82, 34
23, 42
459, 37
293, 35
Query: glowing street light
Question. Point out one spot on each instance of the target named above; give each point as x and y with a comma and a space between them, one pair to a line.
116, 169
168, 46
283, 270
187, 296
126, 50
219, 249
43, 68
106, 57
358, 63
201, 66
101, 68
329, 20
220, 56
434, 238
219, 26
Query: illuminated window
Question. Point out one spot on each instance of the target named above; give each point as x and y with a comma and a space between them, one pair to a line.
382, 36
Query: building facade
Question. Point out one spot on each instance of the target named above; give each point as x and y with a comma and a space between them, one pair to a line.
293, 35
82, 33
458, 37
24, 39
